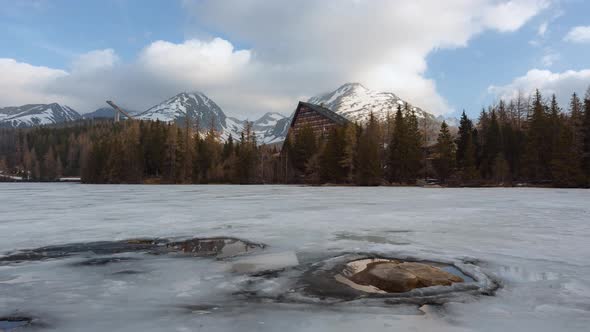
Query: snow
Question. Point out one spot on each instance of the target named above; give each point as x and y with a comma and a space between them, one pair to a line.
36, 115
355, 102
534, 242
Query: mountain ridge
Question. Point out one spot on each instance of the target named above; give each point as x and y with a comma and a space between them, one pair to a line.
36, 115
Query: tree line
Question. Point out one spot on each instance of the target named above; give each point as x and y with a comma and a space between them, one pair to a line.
526, 140
529, 141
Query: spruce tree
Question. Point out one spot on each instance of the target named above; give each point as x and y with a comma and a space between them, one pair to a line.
445, 153
414, 148
491, 147
349, 160
369, 161
466, 150
586, 134
537, 159
331, 157
397, 149
304, 148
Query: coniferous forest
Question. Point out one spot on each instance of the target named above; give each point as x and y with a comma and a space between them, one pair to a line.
528, 141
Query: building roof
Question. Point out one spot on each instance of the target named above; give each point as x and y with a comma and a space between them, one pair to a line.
339, 119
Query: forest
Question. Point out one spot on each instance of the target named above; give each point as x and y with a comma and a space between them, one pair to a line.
525, 141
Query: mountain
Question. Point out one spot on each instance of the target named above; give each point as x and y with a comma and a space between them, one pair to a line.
36, 115
270, 128
199, 108
355, 102
106, 113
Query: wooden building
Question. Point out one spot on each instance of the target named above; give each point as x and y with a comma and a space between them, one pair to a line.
319, 118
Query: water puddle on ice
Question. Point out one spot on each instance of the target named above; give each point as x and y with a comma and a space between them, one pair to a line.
12, 323
220, 247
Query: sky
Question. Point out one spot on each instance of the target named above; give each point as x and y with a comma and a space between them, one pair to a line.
255, 56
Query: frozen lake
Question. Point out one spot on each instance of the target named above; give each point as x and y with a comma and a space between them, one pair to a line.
534, 242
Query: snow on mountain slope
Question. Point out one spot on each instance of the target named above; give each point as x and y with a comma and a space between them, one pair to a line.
198, 107
207, 113
355, 102
36, 115
272, 127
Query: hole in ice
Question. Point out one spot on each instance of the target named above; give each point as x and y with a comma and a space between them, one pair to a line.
12, 323
220, 247
385, 280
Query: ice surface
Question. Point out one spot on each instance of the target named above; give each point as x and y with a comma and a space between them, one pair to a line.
535, 242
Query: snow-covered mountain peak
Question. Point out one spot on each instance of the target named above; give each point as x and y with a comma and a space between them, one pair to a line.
36, 115
355, 102
269, 118
195, 105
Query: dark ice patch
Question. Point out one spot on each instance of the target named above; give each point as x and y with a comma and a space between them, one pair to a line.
102, 261
12, 323
220, 247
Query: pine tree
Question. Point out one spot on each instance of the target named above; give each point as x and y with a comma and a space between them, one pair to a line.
586, 134
414, 148
396, 171
537, 158
349, 160
566, 161
369, 162
491, 147
247, 156
445, 151
465, 137
466, 150
304, 147
331, 157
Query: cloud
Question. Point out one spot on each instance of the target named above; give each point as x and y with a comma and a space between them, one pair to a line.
561, 84
194, 61
319, 45
542, 30
549, 58
93, 61
580, 34
511, 15
295, 49
24, 83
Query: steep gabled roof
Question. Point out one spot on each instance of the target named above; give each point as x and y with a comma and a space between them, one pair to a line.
337, 118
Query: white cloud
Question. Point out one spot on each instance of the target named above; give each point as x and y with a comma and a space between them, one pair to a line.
296, 49
194, 61
561, 84
95, 61
383, 44
22, 83
542, 30
580, 34
511, 15
549, 58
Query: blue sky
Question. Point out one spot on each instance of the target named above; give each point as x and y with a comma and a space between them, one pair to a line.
256, 56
